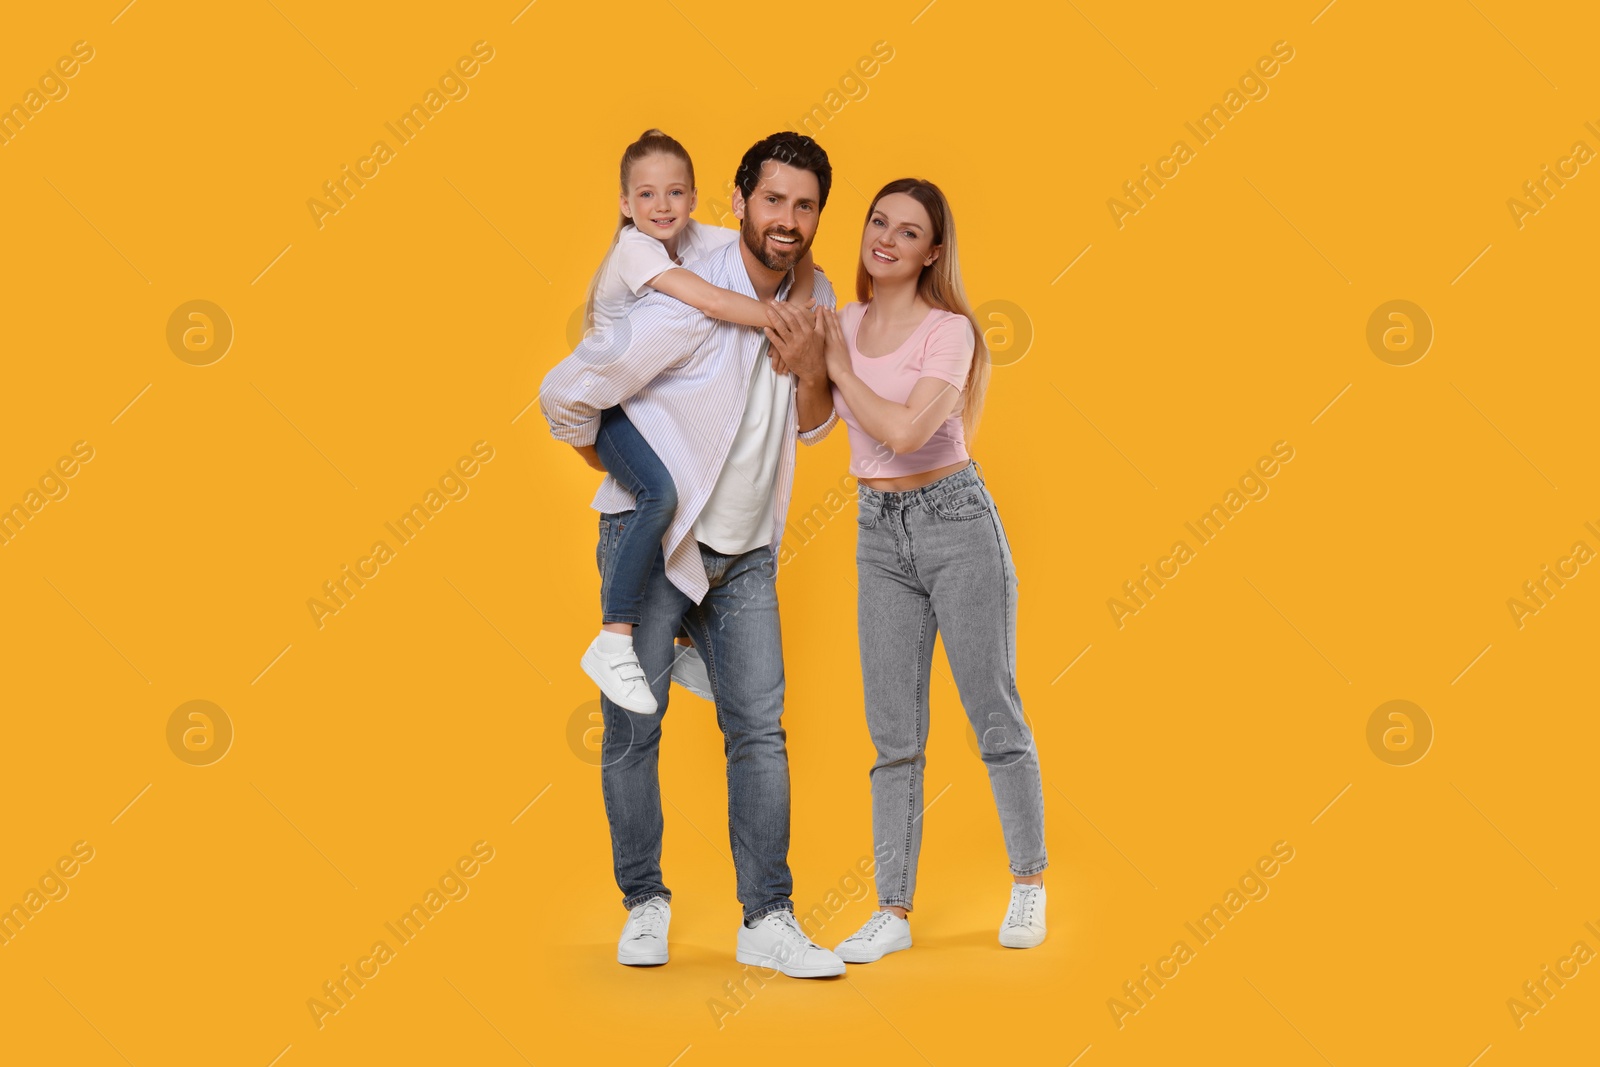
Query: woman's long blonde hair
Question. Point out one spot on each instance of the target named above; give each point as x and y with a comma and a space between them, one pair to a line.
650, 142
940, 285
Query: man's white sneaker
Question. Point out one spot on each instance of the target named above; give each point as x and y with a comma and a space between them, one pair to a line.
619, 676
644, 936
1024, 923
882, 934
689, 671
778, 943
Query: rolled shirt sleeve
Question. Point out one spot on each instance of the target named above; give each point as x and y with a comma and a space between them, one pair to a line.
610, 366
822, 291
816, 434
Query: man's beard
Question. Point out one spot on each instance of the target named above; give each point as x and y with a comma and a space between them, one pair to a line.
772, 260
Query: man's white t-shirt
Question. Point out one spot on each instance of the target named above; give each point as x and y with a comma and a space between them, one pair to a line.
737, 517
637, 257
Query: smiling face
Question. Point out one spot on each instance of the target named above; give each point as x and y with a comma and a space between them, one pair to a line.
897, 242
779, 219
660, 196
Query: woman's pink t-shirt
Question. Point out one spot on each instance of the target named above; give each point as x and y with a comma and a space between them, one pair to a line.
941, 347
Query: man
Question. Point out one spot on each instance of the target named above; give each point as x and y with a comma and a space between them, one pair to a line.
724, 423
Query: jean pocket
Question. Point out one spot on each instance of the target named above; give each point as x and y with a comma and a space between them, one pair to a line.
867, 516
963, 504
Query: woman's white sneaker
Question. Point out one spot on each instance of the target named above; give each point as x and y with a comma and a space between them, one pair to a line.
882, 934
1024, 923
644, 936
778, 943
615, 669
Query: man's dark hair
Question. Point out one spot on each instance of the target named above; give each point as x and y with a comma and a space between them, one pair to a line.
793, 149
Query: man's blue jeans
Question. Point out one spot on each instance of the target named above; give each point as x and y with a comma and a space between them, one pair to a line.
736, 630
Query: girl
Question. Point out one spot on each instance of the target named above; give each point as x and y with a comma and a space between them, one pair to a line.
909, 372
654, 241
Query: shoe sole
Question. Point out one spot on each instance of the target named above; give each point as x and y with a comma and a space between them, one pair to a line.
844, 954
772, 963
696, 690
642, 961
1021, 942
597, 672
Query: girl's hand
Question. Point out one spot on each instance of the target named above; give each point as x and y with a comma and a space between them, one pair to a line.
776, 320
835, 351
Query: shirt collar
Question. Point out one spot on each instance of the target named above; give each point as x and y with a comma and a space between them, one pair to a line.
737, 278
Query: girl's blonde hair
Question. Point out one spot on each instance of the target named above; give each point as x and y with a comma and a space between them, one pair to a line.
650, 142
940, 285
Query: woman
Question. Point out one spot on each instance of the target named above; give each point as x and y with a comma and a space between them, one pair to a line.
909, 372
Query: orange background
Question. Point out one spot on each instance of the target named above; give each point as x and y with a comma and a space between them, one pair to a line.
368, 354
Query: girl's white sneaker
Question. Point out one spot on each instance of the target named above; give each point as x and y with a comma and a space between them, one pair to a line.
880, 935
689, 671
1024, 923
619, 676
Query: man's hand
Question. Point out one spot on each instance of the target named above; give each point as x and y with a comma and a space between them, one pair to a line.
590, 456
796, 341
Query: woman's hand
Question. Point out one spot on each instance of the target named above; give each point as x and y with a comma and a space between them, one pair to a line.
836, 353
591, 457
